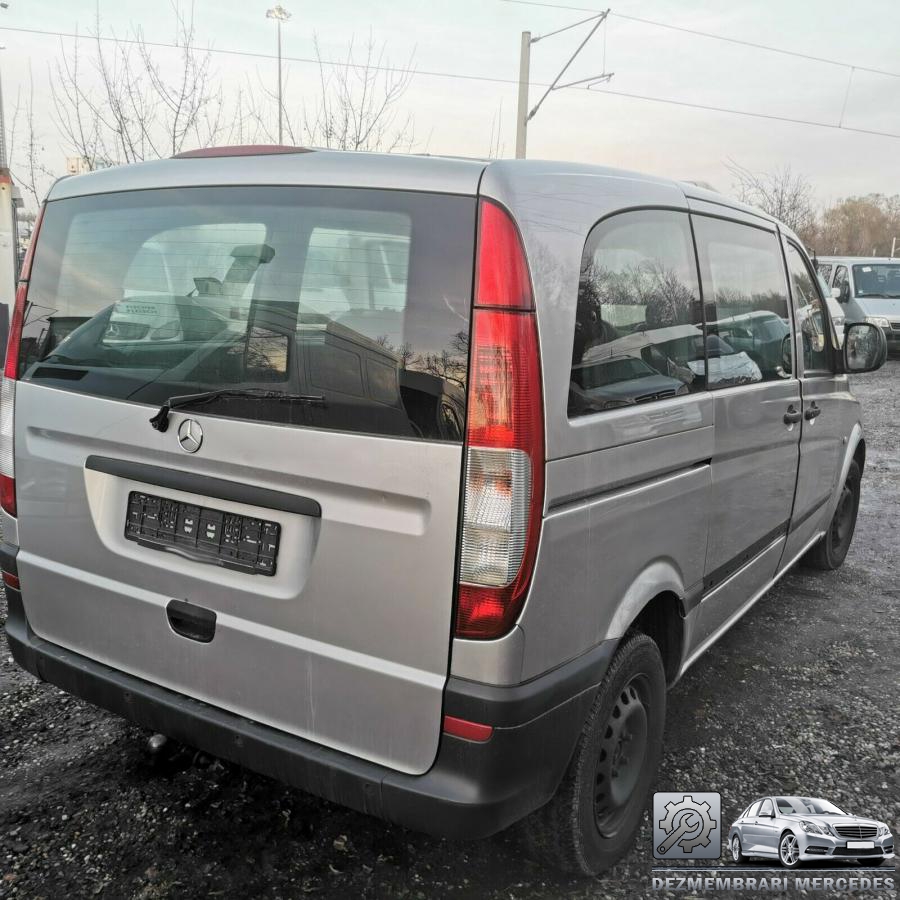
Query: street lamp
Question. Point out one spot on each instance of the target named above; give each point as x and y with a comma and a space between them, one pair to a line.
279, 14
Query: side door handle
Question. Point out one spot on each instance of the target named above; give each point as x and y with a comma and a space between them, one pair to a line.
792, 416
812, 411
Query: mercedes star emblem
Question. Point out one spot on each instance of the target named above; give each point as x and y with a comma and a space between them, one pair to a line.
190, 436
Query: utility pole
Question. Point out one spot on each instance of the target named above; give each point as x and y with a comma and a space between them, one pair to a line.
522, 113
4, 159
523, 117
279, 14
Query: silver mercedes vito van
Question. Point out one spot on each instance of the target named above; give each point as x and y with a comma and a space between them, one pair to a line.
413, 482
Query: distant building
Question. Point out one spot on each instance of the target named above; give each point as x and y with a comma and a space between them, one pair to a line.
77, 165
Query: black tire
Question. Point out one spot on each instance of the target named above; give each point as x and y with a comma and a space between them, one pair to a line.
591, 821
831, 551
737, 851
785, 856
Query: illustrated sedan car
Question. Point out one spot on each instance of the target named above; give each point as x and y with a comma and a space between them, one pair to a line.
801, 829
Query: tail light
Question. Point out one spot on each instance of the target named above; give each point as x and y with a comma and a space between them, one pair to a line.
10, 376
504, 489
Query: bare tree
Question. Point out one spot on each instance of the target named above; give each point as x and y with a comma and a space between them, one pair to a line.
356, 105
26, 149
114, 104
495, 148
781, 193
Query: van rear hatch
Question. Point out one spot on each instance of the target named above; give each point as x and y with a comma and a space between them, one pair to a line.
285, 551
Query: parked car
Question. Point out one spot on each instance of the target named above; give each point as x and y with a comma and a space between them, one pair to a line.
868, 290
804, 829
621, 381
760, 334
359, 537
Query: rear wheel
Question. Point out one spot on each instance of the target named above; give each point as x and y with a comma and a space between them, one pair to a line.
737, 852
831, 551
591, 821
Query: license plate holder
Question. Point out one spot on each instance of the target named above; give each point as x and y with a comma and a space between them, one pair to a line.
203, 534
860, 845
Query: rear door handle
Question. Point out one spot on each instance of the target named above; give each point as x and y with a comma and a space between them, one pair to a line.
792, 416
813, 410
193, 622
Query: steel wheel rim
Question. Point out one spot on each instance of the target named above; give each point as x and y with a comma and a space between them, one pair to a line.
789, 853
623, 749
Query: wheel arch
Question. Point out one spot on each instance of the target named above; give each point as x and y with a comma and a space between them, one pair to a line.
856, 450
653, 605
859, 454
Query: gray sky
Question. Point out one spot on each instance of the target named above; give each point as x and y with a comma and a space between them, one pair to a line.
482, 38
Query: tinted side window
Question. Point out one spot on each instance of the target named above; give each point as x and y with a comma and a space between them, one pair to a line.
812, 317
766, 809
638, 322
752, 810
747, 314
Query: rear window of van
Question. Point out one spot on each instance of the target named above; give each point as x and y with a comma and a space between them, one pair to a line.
358, 297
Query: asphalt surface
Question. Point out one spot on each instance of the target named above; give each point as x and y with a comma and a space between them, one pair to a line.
800, 696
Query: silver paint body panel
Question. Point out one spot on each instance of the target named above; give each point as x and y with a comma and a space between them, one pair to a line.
342, 645
326, 168
631, 511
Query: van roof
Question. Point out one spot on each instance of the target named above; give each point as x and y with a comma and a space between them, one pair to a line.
321, 167
439, 174
856, 260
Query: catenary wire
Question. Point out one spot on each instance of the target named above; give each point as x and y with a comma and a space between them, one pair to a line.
493, 79
712, 36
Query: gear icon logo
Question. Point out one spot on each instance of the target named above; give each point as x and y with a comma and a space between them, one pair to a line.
687, 826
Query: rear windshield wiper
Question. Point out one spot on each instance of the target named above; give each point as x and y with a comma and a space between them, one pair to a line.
161, 420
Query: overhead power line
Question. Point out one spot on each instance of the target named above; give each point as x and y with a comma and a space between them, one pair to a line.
462, 76
523, 116
712, 36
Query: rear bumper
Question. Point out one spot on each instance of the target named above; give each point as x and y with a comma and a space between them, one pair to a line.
472, 790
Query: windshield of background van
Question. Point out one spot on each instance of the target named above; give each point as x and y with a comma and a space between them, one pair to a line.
360, 297
877, 280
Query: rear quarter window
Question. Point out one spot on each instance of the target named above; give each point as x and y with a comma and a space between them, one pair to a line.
638, 322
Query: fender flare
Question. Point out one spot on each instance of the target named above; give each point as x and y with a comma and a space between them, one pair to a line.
659, 577
856, 435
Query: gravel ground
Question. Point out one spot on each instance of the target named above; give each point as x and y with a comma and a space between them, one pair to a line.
799, 696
